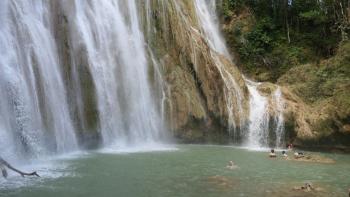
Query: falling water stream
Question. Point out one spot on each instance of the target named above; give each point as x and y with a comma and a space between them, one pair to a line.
35, 118
109, 33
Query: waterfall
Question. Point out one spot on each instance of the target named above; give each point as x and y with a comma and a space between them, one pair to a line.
266, 121
34, 112
278, 118
258, 130
109, 33
71, 71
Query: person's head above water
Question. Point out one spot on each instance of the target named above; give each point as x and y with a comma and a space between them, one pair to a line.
283, 152
272, 151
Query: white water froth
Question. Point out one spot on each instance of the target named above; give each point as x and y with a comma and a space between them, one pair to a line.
48, 168
140, 148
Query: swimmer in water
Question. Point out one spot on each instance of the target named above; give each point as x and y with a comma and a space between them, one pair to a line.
231, 165
272, 154
284, 154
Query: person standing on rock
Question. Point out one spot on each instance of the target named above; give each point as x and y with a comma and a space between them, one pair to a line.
4, 165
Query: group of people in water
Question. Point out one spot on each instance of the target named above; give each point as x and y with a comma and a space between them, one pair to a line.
284, 154
231, 165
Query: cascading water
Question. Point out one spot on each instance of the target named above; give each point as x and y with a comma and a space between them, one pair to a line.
109, 33
266, 127
258, 130
59, 61
278, 118
34, 111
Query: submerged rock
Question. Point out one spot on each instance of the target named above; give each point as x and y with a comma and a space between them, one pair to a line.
313, 159
222, 182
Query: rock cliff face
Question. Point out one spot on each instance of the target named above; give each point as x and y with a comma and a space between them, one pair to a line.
205, 92
318, 100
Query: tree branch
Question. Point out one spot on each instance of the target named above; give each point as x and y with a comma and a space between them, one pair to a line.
3, 162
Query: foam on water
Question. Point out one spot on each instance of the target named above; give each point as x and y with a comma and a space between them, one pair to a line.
140, 148
260, 149
51, 169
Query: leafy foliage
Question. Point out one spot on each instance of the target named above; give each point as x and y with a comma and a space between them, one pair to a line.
288, 32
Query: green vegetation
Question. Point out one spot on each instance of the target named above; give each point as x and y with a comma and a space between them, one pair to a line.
325, 87
330, 79
276, 35
304, 47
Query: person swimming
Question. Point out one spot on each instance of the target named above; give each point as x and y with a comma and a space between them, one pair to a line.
231, 165
272, 153
298, 155
284, 154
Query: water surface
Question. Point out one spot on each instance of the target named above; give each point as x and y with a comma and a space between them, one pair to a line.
191, 170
